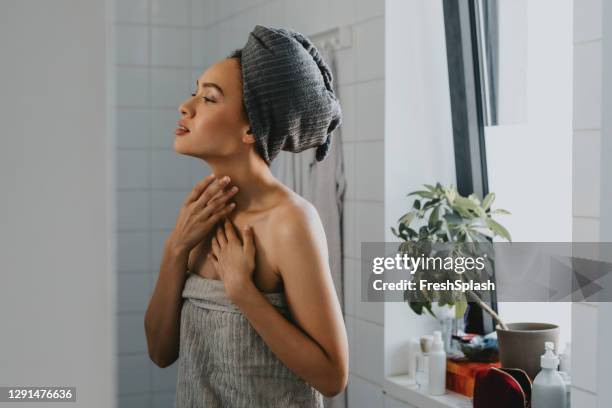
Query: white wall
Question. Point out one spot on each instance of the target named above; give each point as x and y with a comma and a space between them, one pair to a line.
587, 176
57, 292
418, 137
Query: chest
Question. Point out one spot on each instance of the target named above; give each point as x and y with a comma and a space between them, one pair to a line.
266, 277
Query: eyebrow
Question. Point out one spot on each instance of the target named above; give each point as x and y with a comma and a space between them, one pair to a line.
211, 85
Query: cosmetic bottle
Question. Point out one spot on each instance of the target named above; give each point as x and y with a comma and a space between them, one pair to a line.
548, 389
436, 384
414, 349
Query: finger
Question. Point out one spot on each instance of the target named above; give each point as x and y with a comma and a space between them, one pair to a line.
230, 232
211, 191
221, 197
215, 261
248, 241
215, 246
219, 215
199, 188
221, 237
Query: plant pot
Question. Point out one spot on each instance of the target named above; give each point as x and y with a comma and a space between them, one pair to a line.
523, 343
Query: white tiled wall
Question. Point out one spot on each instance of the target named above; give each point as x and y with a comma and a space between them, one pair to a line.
586, 186
161, 48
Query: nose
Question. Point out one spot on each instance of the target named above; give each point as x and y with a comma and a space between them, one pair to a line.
185, 108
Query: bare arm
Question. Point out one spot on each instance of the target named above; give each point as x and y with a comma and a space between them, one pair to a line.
162, 319
316, 349
201, 210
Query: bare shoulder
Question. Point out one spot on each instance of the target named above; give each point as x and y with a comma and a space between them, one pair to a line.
294, 215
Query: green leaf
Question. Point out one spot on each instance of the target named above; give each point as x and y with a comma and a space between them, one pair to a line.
416, 204
498, 229
460, 308
488, 200
407, 218
434, 217
500, 211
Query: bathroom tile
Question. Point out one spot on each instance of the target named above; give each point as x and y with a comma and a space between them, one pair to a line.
348, 280
132, 127
134, 291
366, 224
345, 66
348, 103
390, 402
169, 170
370, 311
369, 175
132, 86
134, 374
586, 173
204, 49
369, 44
348, 149
199, 170
163, 124
587, 85
367, 9
133, 168
587, 20
343, 12
133, 210
163, 399
132, 44
132, 338
172, 12
584, 345
133, 251
135, 401
362, 393
166, 206
366, 356
170, 46
349, 230
164, 379
170, 87
203, 12
131, 11
370, 110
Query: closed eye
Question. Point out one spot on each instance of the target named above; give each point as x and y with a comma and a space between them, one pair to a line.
205, 98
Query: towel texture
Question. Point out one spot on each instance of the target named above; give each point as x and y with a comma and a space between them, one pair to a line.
288, 93
224, 363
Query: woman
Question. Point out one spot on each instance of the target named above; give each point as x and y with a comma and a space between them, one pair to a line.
261, 325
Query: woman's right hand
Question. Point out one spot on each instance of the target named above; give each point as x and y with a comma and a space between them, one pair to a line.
200, 212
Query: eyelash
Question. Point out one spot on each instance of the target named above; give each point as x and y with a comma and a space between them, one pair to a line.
204, 97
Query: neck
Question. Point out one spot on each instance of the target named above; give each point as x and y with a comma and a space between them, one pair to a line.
251, 175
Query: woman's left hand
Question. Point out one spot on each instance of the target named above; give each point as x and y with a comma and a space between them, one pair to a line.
234, 260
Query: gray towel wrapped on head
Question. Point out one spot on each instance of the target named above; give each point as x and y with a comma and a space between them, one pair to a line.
288, 93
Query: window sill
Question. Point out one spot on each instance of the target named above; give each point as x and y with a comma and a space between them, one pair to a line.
400, 388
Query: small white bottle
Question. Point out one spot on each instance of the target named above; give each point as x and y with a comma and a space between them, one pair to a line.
548, 386
414, 349
436, 384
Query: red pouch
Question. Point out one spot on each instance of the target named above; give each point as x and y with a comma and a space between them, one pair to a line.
502, 388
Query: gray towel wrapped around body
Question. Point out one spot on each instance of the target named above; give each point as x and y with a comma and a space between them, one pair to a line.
224, 363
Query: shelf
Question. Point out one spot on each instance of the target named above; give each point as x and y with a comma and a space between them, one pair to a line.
399, 387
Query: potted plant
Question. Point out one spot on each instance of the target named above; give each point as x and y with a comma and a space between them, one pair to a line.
442, 218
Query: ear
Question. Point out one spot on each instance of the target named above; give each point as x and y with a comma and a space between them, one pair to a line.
248, 136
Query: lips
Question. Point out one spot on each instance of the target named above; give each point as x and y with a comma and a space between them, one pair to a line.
181, 129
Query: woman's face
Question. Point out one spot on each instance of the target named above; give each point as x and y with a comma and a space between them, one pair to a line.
214, 115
